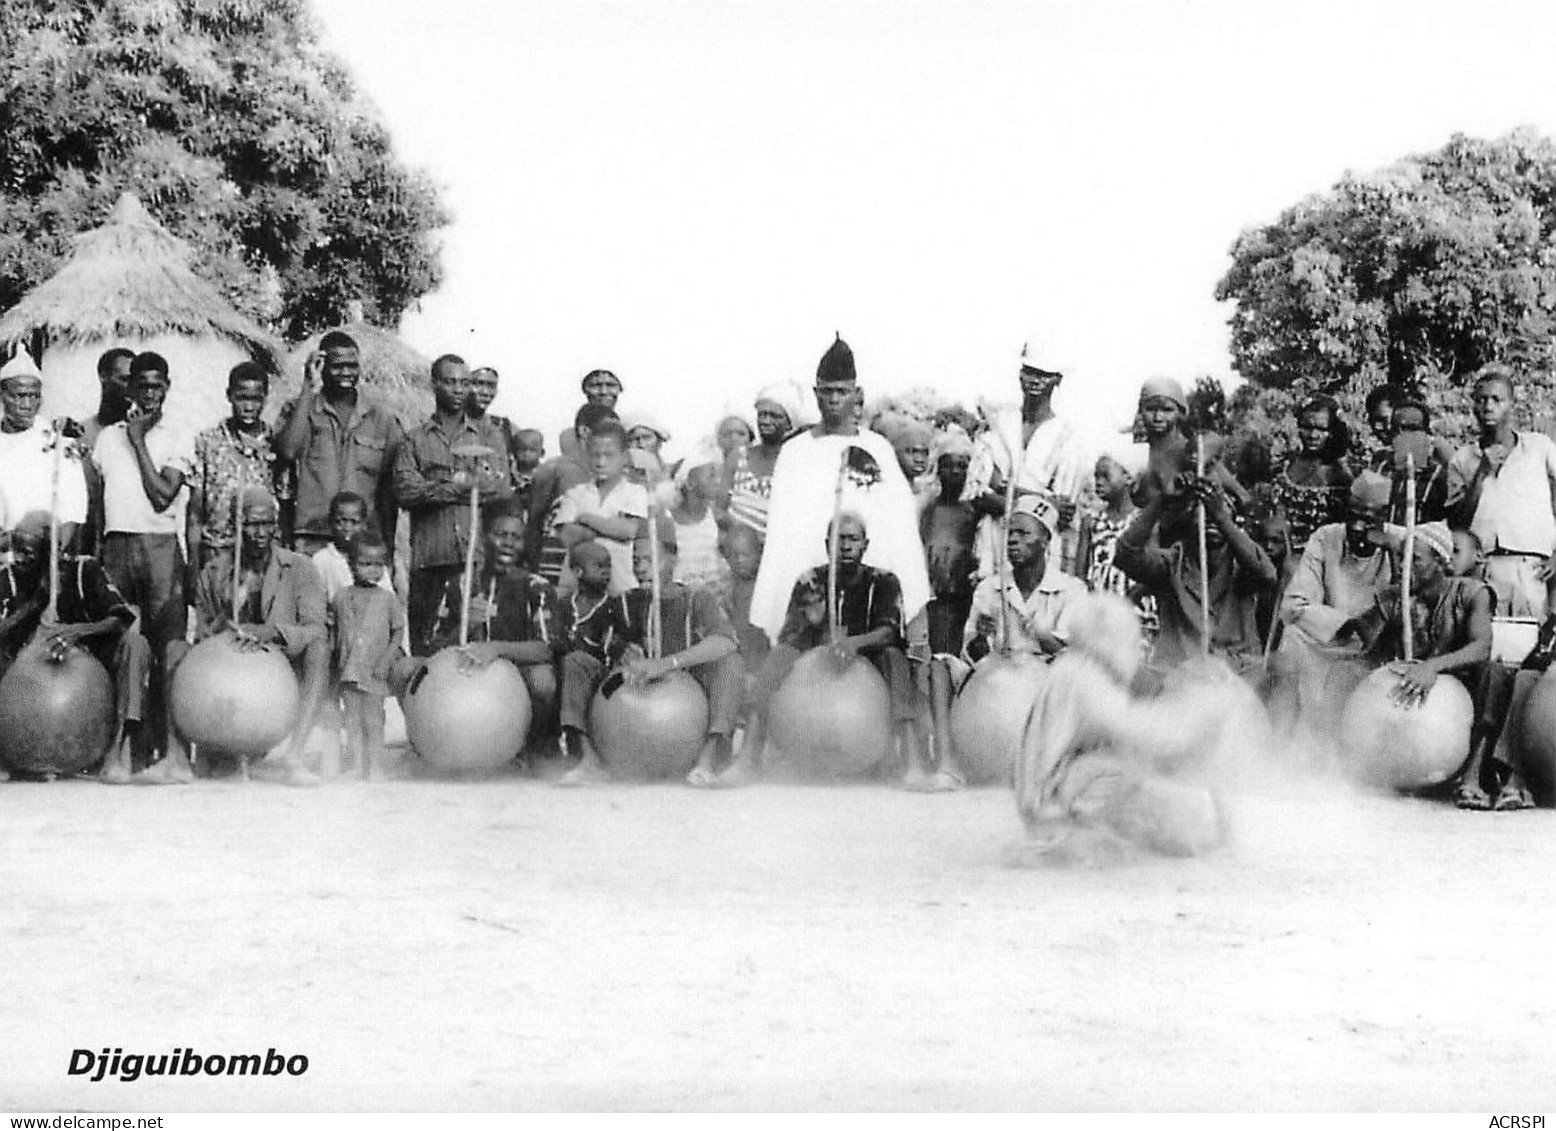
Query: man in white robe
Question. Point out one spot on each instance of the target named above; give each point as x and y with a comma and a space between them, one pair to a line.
804, 494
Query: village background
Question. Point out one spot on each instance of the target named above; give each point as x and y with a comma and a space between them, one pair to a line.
698, 196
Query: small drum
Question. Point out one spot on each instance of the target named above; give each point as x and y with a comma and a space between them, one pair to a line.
1513, 638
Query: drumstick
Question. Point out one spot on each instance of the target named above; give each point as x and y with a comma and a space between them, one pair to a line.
1410, 547
1204, 566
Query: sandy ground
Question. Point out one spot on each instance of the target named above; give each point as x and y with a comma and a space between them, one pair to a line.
503, 944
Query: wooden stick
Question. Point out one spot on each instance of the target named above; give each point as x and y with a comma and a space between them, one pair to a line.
1409, 627
833, 613
469, 579
656, 637
1204, 565
237, 552
59, 453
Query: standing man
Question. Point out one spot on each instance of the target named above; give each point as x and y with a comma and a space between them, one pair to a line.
113, 379
1502, 489
1041, 449
144, 465
804, 490
27, 455
435, 469
483, 391
235, 454
338, 440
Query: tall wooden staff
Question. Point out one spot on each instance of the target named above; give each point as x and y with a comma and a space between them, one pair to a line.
833, 613
467, 582
237, 552
1409, 627
1204, 566
54, 471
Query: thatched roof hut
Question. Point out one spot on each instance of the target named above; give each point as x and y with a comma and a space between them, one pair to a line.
393, 373
129, 283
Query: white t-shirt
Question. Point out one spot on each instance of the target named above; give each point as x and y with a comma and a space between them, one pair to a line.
1515, 511
126, 509
625, 500
27, 474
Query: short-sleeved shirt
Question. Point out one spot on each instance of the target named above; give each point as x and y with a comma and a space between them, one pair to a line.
1514, 513
366, 623
27, 476
522, 607
126, 509
868, 599
1046, 609
335, 572
355, 453
225, 462
625, 500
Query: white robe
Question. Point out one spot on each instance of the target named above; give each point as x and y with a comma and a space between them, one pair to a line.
804, 483
1057, 462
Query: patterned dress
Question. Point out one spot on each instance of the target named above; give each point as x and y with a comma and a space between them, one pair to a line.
1309, 506
749, 494
1102, 576
226, 461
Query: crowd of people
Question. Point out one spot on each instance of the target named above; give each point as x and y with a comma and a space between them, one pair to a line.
922, 547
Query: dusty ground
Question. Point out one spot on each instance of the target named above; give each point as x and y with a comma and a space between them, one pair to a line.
504, 944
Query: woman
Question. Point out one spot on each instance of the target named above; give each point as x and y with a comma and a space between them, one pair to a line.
1313, 486
748, 471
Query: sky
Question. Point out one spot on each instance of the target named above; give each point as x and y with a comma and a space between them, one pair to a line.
698, 195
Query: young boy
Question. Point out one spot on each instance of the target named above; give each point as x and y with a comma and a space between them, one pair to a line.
348, 518
949, 528
1502, 488
608, 510
529, 448
742, 549
696, 636
367, 622
869, 604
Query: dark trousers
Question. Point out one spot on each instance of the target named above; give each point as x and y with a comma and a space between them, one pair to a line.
148, 571
428, 584
723, 682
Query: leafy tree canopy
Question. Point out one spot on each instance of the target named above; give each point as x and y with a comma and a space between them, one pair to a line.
237, 132
1415, 275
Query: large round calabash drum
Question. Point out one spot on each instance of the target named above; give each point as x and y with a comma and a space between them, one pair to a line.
990, 712
651, 731
463, 717
827, 721
55, 718
1536, 734
1406, 748
236, 701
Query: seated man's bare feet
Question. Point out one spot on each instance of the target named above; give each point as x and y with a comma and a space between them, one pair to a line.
590, 771
172, 770
116, 768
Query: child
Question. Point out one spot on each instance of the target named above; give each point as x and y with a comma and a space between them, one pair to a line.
607, 510
742, 548
696, 524
529, 448
367, 617
949, 528
590, 628
348, 518
696, 637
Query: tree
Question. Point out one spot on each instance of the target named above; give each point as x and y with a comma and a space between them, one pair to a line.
237, 131
1417, 275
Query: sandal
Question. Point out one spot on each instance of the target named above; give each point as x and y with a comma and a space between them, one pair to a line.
1513, 795
1469, 795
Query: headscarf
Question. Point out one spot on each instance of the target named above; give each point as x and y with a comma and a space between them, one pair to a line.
1369, 489
787, 396
1165, 387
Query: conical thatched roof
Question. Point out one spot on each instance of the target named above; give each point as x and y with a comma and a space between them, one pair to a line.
129, 279
392, 372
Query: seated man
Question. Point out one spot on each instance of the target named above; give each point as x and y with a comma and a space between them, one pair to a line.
281, 603
696, 636
513, 615
1033, 603
90, 613
869, 603
1452, 633
1339, 576
1169, 569
1103, 775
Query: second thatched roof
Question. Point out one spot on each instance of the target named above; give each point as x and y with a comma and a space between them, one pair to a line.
129, 279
